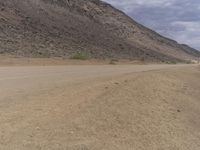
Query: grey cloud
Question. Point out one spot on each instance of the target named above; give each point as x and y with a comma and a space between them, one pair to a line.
177, 19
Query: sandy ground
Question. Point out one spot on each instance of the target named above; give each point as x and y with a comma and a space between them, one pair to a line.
102, 107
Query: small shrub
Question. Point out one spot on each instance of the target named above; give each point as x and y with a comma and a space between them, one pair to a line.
189, 62
43, 54
80, 56
171, 62
142, 59
113, 61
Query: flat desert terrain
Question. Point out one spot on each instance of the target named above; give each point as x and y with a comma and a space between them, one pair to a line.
100, 107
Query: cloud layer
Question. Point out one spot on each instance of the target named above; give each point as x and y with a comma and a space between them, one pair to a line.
177, 19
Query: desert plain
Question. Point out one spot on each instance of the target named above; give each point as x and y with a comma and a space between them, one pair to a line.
100, 107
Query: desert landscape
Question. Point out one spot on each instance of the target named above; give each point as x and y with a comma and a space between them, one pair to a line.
100, 107
83, 75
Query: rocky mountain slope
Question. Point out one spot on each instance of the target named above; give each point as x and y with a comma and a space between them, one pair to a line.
62, 28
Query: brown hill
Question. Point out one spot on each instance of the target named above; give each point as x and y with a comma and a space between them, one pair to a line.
62, 28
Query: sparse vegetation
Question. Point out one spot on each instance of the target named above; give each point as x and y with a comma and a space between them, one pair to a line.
190, 62
171, 62
113, 61
142, 59
42, 54
80, 56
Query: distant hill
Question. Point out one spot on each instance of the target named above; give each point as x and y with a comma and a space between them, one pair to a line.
62, 28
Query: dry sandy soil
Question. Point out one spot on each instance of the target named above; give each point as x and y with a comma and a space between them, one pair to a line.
129, 107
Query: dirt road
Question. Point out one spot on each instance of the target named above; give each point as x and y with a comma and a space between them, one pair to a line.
95, 107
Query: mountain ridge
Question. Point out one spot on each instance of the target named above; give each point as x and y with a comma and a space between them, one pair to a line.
62, 28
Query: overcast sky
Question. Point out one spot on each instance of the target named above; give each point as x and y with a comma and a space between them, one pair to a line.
177, 19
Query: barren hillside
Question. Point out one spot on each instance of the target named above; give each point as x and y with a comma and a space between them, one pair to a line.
61, 28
